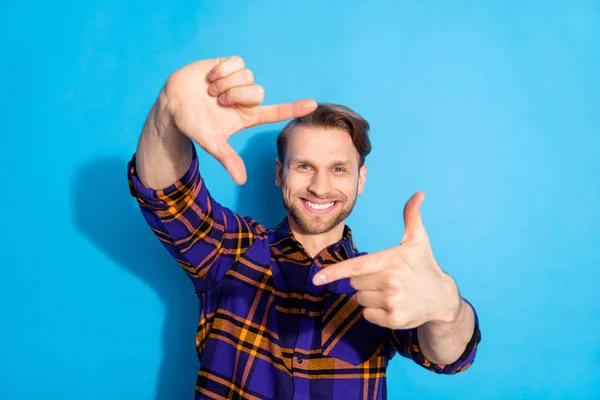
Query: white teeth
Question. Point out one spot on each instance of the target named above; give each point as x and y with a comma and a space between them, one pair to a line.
320, 206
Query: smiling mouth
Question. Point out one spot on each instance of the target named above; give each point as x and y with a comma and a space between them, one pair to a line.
319, 208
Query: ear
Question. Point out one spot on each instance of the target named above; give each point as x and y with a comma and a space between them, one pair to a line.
362, 177
278, 172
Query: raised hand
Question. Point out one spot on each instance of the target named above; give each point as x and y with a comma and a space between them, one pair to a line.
210, 100
402, 287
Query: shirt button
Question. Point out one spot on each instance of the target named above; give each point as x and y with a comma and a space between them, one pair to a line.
299, 359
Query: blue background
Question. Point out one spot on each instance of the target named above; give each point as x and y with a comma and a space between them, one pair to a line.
491, 108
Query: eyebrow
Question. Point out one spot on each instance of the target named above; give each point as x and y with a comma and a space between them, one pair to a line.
305, 161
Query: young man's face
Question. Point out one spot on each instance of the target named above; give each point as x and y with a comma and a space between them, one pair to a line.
320, 178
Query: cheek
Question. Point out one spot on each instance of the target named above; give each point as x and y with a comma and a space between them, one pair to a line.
349, 188
293, 183
287, 191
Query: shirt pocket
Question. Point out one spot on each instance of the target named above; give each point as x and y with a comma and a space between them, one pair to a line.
346, 335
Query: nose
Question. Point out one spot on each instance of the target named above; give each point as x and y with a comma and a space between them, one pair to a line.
319, 184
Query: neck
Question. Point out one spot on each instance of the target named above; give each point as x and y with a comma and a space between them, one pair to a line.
315, 243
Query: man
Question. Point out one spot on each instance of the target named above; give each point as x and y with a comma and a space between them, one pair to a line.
295, 311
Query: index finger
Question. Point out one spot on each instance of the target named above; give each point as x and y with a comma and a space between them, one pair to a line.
357, 266
281, 112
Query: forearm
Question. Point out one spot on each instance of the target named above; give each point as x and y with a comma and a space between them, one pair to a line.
444, 342
163, 153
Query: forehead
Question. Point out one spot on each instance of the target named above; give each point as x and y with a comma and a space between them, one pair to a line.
320, 145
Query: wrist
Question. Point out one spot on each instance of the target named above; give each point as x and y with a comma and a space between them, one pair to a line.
160, 135
451, 303
160, 130
163, 117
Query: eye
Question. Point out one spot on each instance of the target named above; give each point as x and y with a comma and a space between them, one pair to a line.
339, 169
304, 167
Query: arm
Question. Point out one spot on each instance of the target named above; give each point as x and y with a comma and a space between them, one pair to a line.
205, 102
163, 153
443, 349
205, 238
444, 342
403, 288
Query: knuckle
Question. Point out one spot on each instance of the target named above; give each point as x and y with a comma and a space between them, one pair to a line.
249, 76
260, 92
398, 271
356, 269
360, 297
395, 319
368, 315
397, 261
237, 60
171, 82
391, 281
390, 302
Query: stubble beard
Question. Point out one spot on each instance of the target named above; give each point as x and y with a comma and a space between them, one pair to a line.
316, 224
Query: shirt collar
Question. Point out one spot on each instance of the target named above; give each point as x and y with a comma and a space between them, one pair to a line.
343, 249
283, 239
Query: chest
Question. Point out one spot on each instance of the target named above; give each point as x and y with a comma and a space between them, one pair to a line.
275, 298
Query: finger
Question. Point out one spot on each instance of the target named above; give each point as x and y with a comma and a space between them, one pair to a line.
357, 266
281, 112
371, 298
392, 320
249, 96
226, 67
367, 282
377, 316
232, 162
242, 77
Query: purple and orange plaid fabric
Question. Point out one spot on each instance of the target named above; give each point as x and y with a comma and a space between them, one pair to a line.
265, 331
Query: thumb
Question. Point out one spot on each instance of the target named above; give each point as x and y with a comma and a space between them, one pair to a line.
414, 230
232, 162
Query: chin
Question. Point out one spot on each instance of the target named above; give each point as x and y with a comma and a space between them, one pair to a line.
317, 228
317, 224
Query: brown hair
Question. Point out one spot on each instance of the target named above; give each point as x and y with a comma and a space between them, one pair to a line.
331, 116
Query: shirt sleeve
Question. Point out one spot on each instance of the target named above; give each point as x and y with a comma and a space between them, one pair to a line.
406, 343
204, 237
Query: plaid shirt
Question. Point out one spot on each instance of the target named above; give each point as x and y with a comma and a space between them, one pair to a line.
265, 331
